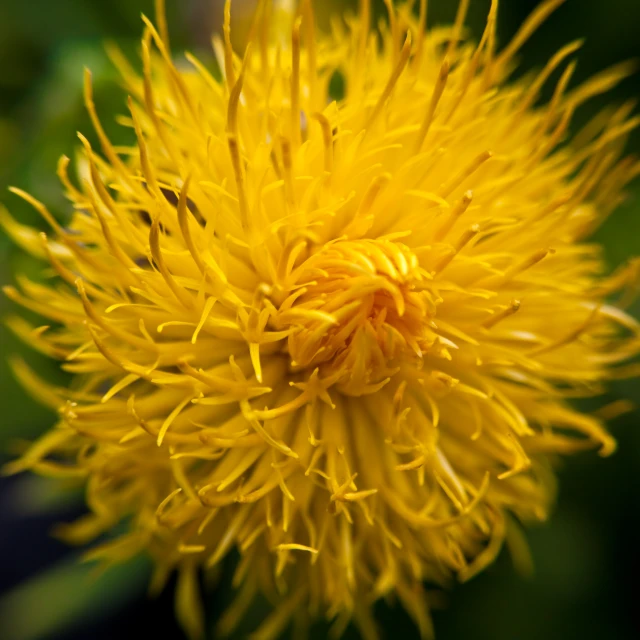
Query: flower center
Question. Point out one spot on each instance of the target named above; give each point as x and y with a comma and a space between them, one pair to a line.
365, 306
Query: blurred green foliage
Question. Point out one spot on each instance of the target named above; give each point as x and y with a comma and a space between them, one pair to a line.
30, 620
587, 558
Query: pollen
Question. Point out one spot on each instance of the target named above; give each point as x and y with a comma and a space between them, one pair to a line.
337, 336
367, 310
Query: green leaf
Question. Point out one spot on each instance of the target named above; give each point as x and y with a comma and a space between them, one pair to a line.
67, 595
31, 495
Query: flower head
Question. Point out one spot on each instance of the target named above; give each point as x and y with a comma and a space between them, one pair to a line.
338, 336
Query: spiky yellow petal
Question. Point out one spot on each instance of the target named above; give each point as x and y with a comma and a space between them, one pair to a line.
337, 336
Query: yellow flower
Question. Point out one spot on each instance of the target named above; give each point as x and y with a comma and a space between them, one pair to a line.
337, 336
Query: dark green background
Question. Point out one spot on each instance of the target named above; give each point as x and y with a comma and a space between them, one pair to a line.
587, 558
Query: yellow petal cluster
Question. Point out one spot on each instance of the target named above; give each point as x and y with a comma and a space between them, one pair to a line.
337, 336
